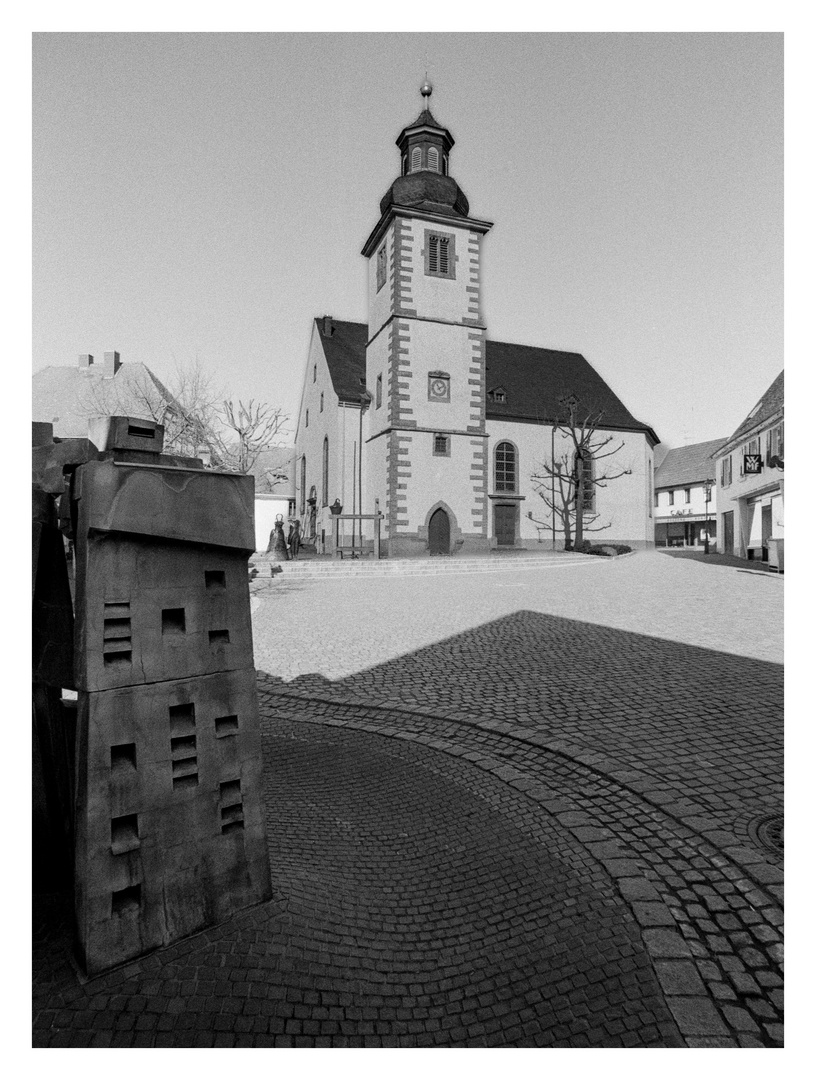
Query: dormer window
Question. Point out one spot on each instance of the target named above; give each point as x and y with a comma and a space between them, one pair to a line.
498, 394
416, 159
433, 159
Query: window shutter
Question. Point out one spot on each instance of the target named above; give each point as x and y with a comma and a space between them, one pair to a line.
443, 256
433, 255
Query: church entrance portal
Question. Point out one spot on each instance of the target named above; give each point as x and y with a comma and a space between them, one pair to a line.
505, 518
439, 533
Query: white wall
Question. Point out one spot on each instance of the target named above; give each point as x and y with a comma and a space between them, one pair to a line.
624, 502
266, 509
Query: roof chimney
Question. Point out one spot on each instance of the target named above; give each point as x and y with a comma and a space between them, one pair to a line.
112, 364
85, 360
328, 329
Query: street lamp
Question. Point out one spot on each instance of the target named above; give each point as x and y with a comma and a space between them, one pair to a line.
365, 400
709, 484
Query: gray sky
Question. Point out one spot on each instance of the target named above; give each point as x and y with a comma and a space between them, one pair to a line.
207, 195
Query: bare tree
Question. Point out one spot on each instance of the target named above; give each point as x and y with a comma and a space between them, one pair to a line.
188, 410
567, 482
198, 418
250, 430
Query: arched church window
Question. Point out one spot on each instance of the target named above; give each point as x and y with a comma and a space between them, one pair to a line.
433, 159
444, 165
416, 159
325, 500
506, 467
584, 464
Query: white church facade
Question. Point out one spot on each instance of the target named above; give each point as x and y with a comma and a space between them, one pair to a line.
418, 417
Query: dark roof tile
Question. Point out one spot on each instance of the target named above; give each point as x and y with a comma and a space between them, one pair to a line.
533, 379
771, 403
687, 464
344, 349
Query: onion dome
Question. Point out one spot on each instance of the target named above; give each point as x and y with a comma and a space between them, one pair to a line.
425, 182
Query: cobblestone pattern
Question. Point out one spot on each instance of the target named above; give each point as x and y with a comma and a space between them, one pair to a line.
420, 901
687, 726
714, 933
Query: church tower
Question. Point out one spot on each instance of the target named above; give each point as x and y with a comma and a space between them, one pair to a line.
426, 451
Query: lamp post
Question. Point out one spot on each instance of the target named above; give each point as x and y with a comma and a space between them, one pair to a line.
365, 401
708, 486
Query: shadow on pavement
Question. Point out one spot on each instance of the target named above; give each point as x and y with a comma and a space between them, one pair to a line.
708, 724
715, 559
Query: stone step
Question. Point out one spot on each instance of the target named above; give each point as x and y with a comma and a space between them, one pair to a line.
348, 568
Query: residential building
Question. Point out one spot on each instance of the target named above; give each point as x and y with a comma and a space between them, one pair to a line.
685, 503
750, 476
70, 397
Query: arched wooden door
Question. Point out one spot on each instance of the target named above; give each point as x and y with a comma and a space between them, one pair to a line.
439, 533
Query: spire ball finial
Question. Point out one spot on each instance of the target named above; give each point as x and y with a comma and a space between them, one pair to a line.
426, 89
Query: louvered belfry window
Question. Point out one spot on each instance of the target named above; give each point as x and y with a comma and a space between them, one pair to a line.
433, 159
440, 258
416, 159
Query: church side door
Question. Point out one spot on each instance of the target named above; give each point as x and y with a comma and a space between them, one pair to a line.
505, 520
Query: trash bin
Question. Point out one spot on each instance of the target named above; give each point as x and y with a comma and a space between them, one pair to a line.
776, 554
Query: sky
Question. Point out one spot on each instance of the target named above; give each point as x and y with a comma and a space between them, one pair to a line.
202, 197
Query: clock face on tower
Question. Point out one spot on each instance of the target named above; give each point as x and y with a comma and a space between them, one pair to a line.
438, 387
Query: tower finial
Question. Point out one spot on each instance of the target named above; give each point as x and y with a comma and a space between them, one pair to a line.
426, 90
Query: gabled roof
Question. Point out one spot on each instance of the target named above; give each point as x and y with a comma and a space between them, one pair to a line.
687, 465
533, 379
344, 349
69, 396
770, 404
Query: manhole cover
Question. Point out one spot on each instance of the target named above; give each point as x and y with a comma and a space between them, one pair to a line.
769, 832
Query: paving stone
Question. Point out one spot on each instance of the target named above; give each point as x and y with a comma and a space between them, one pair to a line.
393, 842
652, 914
740, 1020
665, 943
679, 977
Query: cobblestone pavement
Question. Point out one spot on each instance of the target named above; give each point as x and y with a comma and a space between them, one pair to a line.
530, 831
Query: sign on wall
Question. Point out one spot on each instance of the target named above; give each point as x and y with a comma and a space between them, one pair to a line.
752, 464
